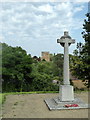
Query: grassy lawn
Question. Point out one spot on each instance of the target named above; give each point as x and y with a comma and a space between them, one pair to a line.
34, 92
3, 95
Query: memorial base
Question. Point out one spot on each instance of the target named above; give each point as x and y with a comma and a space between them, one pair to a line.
56, 104
66, 93
66, 97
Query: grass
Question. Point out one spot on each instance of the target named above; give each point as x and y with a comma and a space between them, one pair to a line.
39, 92
3, 95
0, 98
34, 92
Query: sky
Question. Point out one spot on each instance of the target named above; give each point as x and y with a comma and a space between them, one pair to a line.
36, 26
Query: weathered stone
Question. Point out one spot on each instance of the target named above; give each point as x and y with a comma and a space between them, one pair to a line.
66, 93
56, 104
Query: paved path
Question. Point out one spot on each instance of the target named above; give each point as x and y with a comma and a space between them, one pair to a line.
33, 106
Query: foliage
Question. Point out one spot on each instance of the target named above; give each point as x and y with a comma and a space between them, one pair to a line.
16, 69
44, 73
43, 76
58, 65
85, 54
20, 72
80, 62
45, 67
75, 65
43, 82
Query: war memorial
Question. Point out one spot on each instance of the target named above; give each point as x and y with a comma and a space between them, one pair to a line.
66, 98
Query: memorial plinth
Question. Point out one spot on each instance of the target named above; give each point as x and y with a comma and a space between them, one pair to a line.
66, 92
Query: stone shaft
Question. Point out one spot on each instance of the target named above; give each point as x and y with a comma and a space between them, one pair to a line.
66, 65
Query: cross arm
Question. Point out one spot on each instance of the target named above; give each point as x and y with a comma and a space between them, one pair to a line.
65, 40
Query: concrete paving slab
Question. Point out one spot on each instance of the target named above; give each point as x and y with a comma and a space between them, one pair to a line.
56, 104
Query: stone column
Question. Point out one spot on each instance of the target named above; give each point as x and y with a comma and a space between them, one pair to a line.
66, 65
66, 90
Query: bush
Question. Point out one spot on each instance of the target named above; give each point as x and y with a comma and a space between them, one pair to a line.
43, 82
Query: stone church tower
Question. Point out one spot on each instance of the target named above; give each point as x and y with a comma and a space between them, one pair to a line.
45, 56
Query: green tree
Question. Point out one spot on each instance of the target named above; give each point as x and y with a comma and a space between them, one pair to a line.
58, 65
16, 69
43, 82
42, 73
45, 67
76, 65
79, 48
85, 54
81, 60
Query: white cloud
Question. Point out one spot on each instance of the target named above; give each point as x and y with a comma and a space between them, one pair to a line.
45, 8
37, 22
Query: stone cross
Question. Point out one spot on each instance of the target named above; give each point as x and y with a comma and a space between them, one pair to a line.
65, 41
66, 93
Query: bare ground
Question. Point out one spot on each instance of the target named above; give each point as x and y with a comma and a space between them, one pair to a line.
33, 106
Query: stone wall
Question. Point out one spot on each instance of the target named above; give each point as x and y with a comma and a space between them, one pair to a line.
45, 56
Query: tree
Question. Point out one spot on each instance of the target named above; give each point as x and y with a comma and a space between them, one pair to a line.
81, 58
79, 47
45, 67
43, 82
76, 65
58, 65
43, 75
85, 53
16, 69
